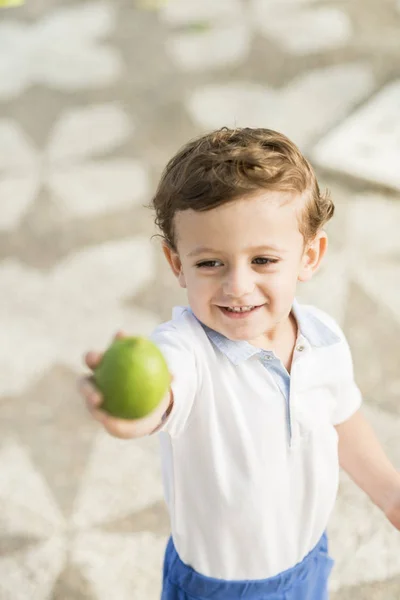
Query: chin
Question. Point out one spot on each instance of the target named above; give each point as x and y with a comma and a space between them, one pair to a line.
240, 336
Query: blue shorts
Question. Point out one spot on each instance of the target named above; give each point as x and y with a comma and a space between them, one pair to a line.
308, 580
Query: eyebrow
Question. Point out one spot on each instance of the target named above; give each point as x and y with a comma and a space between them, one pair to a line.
253, 249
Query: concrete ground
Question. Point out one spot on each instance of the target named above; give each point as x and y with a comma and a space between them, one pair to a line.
95, 96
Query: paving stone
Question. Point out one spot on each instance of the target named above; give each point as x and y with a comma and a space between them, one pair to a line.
367, 144
94, 99
79, 182
48, 317
362, 542
42, 53
207, 34
301, 27
305, 108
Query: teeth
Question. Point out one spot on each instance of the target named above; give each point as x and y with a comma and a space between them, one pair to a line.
239, 308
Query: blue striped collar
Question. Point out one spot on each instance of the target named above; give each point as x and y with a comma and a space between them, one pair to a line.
310, 327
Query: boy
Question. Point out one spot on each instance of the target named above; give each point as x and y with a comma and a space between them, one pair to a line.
263, 405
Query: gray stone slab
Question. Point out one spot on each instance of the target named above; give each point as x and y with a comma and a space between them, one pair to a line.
87, 122
367, 144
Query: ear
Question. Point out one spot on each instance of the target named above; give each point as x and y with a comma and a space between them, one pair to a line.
312, 256
175, 263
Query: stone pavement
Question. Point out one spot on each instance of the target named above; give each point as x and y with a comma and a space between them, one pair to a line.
94, 98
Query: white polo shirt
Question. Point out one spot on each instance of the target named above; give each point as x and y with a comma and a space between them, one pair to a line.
249, 452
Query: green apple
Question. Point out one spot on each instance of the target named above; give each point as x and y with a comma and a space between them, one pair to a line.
9, 3
133, 378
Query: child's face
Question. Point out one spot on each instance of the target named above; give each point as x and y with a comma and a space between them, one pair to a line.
247, 253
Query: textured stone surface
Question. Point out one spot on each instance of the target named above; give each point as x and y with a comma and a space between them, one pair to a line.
94, 98
367, 144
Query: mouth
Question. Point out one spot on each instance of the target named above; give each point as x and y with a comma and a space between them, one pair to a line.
239, 312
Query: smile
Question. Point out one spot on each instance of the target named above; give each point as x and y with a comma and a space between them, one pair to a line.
237, 312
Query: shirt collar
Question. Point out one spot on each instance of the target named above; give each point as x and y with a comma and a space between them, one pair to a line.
310, 327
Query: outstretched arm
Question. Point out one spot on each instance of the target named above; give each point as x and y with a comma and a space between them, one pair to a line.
363, 458
121, 428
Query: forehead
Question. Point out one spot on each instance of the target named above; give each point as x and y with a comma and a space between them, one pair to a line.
265, 218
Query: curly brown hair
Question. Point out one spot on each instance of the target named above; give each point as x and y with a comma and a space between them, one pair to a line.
227, 164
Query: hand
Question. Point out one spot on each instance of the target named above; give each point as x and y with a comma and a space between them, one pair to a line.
120, 428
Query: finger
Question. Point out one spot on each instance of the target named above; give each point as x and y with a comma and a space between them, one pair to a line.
119, 335
119, 428
93, 359
90, 392
128, 428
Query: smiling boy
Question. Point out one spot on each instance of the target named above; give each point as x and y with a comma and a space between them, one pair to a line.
263, 406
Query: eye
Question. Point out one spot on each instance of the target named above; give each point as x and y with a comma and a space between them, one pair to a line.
208, 264
265, 261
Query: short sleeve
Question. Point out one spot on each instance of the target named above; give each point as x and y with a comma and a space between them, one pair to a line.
179, 355
349, 398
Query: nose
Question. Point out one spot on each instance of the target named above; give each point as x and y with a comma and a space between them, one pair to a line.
238, 282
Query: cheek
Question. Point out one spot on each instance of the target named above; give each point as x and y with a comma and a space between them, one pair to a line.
281, 283
194, 282
200, 286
